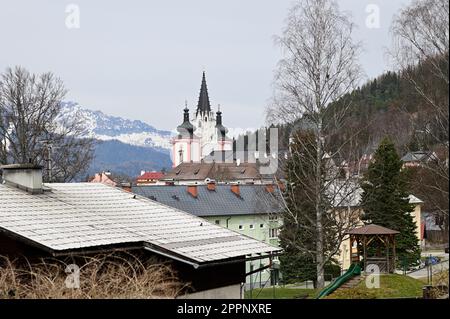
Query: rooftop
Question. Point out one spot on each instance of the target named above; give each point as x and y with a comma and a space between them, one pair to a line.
73, 216
372, 229
418, 156
253, 199
216, 171
150, 175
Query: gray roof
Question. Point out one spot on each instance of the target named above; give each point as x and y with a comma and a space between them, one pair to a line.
254, 199
418, 156
85, 215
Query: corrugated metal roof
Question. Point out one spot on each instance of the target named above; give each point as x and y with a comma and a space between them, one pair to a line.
84, 215
253, 199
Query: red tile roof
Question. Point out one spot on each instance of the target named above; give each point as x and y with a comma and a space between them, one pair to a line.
151, 175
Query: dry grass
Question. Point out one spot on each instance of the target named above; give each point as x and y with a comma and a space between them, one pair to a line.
120, 275
440, 283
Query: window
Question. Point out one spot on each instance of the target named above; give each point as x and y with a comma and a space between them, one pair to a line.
273, 217
261, 225
251, 226
241, 227
273, 232
181, 155
217, 222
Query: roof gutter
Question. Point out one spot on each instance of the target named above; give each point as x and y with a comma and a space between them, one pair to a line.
234, 261
89, 250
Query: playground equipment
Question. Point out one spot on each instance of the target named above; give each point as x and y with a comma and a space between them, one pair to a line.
354, 270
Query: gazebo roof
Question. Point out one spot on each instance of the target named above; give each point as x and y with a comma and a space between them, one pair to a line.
372, 229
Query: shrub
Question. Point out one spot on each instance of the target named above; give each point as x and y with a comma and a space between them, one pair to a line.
119, 275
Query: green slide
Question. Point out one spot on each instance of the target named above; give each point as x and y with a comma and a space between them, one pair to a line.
354, 270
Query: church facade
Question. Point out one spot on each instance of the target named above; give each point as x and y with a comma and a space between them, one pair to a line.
200, 135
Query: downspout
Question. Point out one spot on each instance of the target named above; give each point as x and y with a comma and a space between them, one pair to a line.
227, 221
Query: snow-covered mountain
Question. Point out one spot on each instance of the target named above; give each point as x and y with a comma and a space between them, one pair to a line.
123, 146
106, 128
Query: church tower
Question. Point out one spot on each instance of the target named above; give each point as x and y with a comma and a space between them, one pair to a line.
186, 146
204, 135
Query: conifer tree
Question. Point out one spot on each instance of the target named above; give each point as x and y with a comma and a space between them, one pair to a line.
385, 201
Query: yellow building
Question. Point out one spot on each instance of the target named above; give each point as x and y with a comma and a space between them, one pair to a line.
344, 256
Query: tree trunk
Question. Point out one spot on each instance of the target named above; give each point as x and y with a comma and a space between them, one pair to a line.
319, 226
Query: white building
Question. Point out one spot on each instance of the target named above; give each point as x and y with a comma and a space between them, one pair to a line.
204, 135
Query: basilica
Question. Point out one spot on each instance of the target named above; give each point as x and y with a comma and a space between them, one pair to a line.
200, 134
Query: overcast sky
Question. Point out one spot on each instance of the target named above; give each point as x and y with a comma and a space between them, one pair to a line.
142, 59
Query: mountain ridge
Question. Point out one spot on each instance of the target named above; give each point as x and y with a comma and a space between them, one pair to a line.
122, 146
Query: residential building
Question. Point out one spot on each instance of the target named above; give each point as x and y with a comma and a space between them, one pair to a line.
344, 256
63, 219
418, 158
222, 173
149, 178
104, 178
435, 233
252, 210
108, 178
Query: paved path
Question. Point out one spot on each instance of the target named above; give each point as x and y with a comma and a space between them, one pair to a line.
423, 272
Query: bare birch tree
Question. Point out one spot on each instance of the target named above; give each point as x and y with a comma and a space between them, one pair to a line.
319, 66
421, 38
32, 128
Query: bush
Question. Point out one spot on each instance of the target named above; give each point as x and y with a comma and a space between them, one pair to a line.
102, 276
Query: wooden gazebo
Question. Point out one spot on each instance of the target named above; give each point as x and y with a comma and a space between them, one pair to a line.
370, 234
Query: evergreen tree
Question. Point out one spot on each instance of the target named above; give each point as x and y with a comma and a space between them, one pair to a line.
385, 200
296, 235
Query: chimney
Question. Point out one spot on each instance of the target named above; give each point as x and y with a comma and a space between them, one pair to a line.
23, 176
192, 190
142, 173
211, 185
281, 186
269, 188
236, 190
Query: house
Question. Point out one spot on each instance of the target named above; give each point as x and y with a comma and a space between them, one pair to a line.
434, 231
107, 178
252, 210
418, 158
149, 178
104, 178
65, 219
354, 204
222, 173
